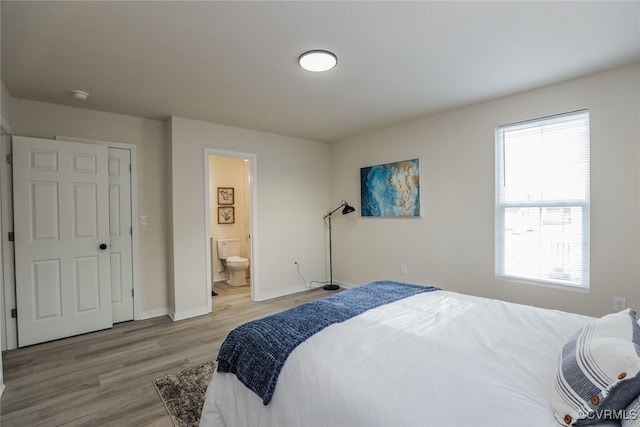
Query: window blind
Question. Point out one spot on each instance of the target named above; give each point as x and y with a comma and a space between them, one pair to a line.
542, 200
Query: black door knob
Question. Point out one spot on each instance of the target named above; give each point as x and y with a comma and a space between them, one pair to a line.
103, 246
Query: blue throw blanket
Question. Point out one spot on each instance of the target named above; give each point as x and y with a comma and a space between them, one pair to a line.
256, 351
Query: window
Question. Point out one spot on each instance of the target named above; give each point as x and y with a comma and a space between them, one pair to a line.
542, 200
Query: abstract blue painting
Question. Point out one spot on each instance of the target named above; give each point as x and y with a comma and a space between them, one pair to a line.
391, 189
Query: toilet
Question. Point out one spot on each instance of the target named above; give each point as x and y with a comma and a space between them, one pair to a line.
229, 254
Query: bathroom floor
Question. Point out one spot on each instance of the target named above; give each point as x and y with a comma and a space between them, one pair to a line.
229, 296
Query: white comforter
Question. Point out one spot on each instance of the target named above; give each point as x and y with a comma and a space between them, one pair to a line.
437, 359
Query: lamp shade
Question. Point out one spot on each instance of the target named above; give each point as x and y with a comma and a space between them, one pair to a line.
348, 209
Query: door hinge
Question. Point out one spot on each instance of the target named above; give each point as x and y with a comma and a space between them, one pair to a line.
9, 159
14, 313
132, 293
12, 236
131, 231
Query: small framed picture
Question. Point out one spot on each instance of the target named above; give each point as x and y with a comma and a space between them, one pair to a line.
226, 215
225, 195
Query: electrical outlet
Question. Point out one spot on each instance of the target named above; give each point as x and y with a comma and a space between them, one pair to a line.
403, 269
619, 303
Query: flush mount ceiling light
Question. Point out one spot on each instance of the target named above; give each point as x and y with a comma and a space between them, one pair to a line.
317, 60
79, 94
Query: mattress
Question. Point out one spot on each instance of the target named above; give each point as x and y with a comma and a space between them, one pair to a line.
438, 359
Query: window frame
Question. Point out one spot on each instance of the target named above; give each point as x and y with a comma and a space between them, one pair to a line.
501, 207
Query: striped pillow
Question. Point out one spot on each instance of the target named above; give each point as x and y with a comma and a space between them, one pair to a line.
631, 416
598, 370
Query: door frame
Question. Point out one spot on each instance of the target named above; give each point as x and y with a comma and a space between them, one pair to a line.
134, 208
7, 292
253, 224
10, 335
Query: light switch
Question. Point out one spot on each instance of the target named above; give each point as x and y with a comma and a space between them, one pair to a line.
144, 220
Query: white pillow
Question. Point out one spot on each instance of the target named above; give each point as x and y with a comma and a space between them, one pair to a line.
597, 375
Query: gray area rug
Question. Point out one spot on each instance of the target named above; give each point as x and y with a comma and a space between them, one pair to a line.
183, 393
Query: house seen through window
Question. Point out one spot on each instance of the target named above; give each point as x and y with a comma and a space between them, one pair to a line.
542, 200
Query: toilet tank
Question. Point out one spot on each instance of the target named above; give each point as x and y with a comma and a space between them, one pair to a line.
228, 247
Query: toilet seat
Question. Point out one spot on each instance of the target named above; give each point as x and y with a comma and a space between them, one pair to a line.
236, 259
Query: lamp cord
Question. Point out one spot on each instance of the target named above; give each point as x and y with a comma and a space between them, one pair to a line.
326, 220
304, 282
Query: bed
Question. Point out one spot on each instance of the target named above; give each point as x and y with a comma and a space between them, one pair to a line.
432, 359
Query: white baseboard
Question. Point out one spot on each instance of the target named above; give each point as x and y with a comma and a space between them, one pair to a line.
225, 277
154, 313
263, 296
294, 290
221, 277
188, 314
346, 285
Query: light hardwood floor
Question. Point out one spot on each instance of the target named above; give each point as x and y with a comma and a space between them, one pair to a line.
105, 378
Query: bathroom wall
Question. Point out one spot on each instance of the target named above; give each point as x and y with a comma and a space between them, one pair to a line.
229, 172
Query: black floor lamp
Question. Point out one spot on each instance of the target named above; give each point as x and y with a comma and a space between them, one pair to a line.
347, 210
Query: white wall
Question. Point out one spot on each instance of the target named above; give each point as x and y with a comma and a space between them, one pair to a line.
452, 245
293, 193
6, 100
43, 120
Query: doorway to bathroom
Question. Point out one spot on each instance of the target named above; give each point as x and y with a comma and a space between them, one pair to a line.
230, 209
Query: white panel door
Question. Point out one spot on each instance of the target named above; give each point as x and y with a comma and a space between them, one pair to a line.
120, 234
61, 225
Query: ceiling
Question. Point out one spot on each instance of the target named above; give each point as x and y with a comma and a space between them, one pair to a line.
235, 62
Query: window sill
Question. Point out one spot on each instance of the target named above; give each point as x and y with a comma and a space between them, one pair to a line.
543, 284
